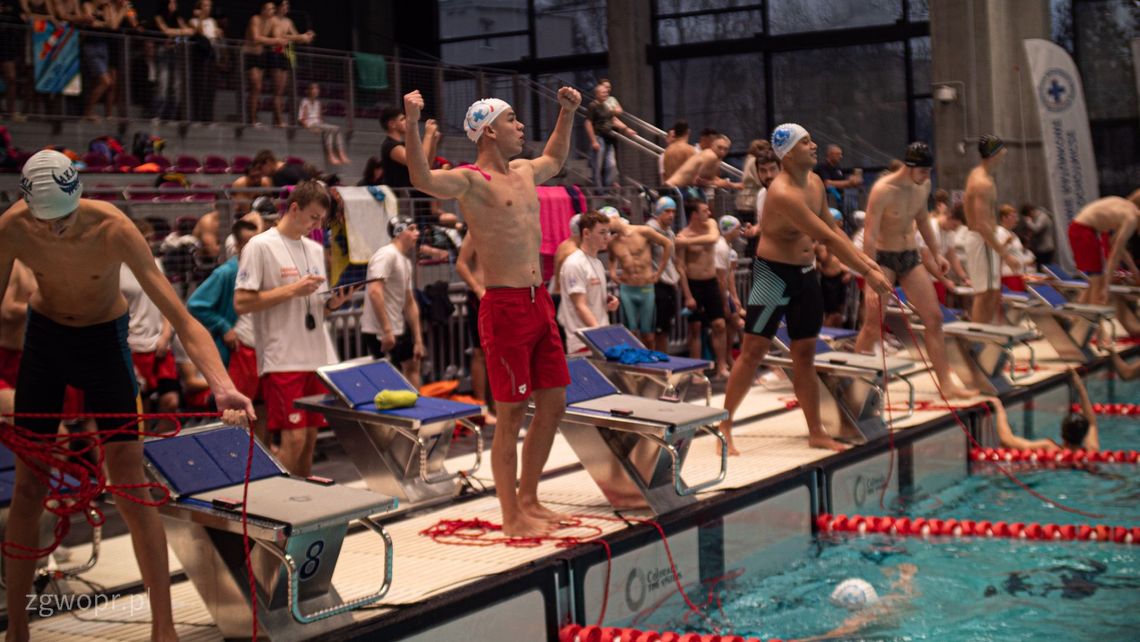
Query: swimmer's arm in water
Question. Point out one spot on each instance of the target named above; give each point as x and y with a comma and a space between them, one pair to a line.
1005, 433
135, 253
440, 183
1092, 439
557, 148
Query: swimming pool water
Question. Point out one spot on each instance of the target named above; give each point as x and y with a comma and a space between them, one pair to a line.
969, 588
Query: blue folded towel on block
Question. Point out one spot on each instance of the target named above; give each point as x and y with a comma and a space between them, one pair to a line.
629, 355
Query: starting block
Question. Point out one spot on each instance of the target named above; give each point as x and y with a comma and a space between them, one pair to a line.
666, 379
635, 447
296, 526
1068, 327
399, 452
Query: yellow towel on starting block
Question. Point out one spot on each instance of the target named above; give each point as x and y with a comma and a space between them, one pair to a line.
389, 399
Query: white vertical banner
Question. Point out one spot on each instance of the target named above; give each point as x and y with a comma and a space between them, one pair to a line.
1069, 161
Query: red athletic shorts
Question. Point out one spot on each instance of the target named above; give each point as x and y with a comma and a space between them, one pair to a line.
243, 370
1089, 249
940, 290
9, 367
521, 343
154, 370
1015, 283
281, 389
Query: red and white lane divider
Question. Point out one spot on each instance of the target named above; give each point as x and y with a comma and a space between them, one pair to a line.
1125, 409
922, 527
578, 633
1065, 456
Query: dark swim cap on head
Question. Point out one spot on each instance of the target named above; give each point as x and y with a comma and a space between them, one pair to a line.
989, 145
1074, 429
918, 155
396, 226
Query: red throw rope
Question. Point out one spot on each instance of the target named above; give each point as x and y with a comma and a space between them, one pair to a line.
74, 483
922, 527
954, 413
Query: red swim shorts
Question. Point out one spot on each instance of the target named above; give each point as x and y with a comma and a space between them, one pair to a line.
1088, 248
243, 371
521, 343
281, 389
156, 370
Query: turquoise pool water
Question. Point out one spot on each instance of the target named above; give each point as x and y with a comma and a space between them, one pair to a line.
967, 589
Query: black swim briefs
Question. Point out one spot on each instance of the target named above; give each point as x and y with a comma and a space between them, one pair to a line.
901, 263
710, 305
780, 289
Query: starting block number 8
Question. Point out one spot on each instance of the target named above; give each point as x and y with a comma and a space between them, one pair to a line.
312, 560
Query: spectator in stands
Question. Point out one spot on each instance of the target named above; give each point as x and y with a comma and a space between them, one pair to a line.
703, 169
391, 321
373, 172
280, 275
1011, 278
582, 281
833, 177
168, 74
287, 174
258, 176
102, 55
707, 137
1042, 240
665, 289
283, 30
11, 52
204, 60
394, 160
310, 117
601, 122
149, 336
678, 151
703, 299
258, 35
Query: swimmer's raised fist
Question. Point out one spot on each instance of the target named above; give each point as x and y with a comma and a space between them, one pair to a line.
569, 98
413, 105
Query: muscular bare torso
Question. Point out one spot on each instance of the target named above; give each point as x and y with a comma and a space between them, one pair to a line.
634, 256
258, 26
699, 258
980, 199
281, 27
675, 156
502, 216
704, 165
1106, 214
780, 240
895, 202
13, 310
77, 274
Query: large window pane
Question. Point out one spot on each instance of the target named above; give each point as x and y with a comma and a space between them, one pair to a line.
920, 61
789, 16
460, 18
722, 92
924, 121
684, 6
1104, 31
485, 50
918, 10
567, 27
859, 105
710, 27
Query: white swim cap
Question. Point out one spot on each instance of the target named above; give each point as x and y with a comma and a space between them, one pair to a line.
785, 137
575, 222
728, 224
854, 594
609, 211
481, 114
51, 185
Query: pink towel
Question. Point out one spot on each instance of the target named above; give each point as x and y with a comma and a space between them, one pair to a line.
554, 213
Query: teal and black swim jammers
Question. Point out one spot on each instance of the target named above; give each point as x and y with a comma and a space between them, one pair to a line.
639, 307
779, 290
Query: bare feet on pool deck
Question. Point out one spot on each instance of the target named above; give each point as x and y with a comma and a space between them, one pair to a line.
826, 442
525, 526
725, 429
538, 511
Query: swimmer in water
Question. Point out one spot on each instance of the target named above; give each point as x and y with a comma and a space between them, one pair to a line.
872, 608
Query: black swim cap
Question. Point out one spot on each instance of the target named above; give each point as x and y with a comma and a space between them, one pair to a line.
989, 145
263, 205
1074, 428
918, 155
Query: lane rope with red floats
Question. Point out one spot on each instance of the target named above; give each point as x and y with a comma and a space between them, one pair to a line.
1124, 409
578, 633
1062, 455
922, 527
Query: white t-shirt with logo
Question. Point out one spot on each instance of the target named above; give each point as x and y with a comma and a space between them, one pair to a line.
581, 274
146, 319
396, 269
282, 341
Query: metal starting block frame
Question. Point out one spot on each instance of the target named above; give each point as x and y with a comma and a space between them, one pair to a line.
634, 447
1068, 327
979, 353
400, 452
296, 528
851, 388
668, 380
47, 528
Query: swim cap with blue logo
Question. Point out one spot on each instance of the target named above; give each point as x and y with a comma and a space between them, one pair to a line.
785, 137
728, 224
664, 203
51, 185
481, 114
609, 212
854, 594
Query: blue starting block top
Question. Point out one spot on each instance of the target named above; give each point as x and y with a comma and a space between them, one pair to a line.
1048, 294
586, 382
606, 337
203, 461
358, 384
821, 346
